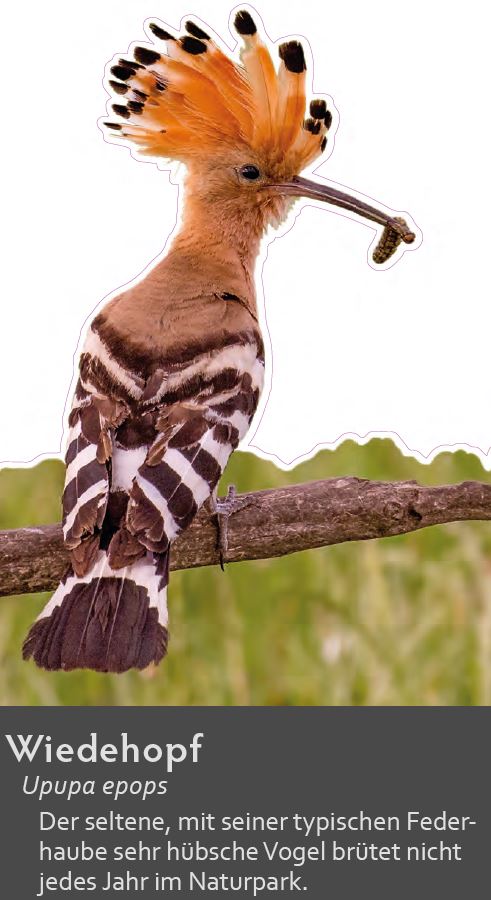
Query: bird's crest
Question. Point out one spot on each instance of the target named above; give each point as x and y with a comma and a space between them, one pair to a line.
183, 96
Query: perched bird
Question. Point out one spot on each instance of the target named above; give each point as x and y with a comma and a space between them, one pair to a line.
172, 369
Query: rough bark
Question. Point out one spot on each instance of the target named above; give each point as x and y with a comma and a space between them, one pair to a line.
275, 523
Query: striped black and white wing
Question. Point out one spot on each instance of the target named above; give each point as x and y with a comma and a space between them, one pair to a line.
87, 476
184, 463
99, 407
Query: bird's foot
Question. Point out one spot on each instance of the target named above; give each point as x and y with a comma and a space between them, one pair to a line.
223, 509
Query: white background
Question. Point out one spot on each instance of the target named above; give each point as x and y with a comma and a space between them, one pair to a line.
402, 351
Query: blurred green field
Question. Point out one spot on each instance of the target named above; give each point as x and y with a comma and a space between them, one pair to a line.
402, 621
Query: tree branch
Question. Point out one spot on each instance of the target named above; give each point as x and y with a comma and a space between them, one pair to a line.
276, 522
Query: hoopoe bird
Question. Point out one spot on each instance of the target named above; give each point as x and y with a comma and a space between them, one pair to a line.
172, 369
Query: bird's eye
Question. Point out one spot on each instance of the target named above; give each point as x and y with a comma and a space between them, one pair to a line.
250, 172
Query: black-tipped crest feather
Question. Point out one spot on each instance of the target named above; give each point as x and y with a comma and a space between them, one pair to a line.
136, 106
122, 72
192, 45
318, 109
118, 87
160, 33
244, 23
130, 64
121, 110
196, 31
146, 56
293, 56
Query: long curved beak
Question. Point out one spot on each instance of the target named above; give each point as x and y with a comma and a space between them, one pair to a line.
395, 229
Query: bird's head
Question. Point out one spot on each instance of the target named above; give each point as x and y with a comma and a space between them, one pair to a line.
239, 127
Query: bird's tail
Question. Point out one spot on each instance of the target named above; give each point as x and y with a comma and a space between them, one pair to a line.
109, 620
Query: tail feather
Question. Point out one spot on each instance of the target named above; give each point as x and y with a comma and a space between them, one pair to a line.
110, 620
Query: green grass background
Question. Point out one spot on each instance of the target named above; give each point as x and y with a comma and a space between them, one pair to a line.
403, 620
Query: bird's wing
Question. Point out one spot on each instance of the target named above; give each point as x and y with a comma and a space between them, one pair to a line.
181, 470
185, 460
92, 421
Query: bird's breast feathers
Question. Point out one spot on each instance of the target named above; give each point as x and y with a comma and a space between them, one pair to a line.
143, 362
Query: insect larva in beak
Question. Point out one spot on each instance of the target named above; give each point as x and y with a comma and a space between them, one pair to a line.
389, 242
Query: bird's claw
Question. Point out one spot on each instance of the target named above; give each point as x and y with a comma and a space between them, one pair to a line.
223, 509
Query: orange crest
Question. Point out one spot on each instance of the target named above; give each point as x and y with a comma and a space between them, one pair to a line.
184, 97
